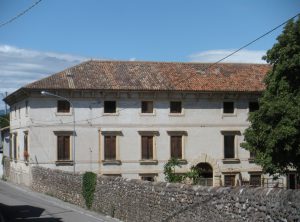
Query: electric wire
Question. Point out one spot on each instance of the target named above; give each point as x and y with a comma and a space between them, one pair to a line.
20, 14
246, 45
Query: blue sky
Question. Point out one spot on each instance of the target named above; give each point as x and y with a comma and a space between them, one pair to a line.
60, 33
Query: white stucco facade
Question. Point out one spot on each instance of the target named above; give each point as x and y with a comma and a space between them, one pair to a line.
202, 119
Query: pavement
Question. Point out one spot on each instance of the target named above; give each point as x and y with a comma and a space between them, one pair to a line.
19, 203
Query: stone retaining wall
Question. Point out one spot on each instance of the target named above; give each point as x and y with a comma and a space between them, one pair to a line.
135, 200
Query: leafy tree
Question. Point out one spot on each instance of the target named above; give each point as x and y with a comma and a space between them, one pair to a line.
172, 177
4, 120
274, 134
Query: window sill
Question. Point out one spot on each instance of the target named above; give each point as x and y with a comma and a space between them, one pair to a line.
233, 160
148, 114
111, 162
182, 161
148, 162
251, 160
63, 114
111, 114
229, 115
176, 114
64, 163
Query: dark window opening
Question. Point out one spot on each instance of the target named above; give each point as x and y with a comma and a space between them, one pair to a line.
63, 148
176, 147
63, 106
229, 180
229, 146
253, 106
148, 178
110, 106
255, 180
147, 147
26, 154
252, 155
228, 107
110, 147
147, 106
175, 107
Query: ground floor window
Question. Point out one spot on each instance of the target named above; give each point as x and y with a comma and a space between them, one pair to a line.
255, 180
148, 177
229, 180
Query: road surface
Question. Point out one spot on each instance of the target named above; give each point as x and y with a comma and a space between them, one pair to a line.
21, 204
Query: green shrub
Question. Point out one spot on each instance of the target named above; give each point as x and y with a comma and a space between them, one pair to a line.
89, 182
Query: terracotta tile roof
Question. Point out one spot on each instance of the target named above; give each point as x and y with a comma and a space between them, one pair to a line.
125, 75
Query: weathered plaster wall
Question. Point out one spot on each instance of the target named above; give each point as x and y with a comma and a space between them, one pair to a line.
135, 200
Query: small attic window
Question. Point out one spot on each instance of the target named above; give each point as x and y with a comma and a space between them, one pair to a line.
63, 106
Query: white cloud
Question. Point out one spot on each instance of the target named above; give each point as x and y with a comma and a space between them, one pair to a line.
22, 66
132, 59
243, 56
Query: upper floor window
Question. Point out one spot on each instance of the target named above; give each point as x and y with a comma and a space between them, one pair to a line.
229, 146
228, 107
110, 107
253, 106
63, 106
26, 154
147, 106
175, 107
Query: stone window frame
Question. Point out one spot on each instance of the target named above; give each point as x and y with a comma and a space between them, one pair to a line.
175, 113
154, 160
229, 175
236, 134
66, 162
117, 134
146, 176
153, 113
183, 135
234, 108
116, 113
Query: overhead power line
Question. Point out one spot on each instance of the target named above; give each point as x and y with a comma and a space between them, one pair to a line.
241, 47
20, 14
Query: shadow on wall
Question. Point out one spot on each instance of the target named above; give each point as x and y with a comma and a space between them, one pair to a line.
24, 213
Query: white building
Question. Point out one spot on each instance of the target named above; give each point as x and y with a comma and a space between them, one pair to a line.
132, 117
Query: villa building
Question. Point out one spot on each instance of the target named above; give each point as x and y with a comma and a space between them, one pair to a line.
130, 118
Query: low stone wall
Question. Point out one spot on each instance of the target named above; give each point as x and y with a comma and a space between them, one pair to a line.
135, 200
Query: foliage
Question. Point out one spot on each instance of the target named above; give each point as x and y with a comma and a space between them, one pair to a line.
172, 177
89, 182
169, 171
4, 121
274, 134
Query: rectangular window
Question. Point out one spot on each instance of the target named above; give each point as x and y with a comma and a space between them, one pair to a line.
110, 147
229, 147
147, 106
253, 106
229, 180
175, 107
63, 148
149, 177
15, 135
110, 107
176, 147
255, 180
26, 154
147, 147
252, 155
63, 106
228, 107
